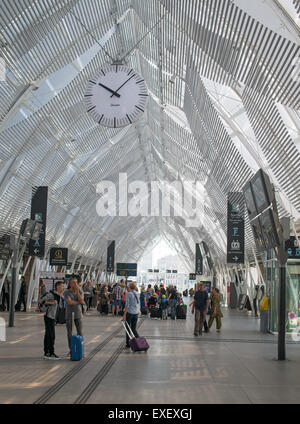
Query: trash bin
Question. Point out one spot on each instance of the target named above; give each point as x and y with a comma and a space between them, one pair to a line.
264, 321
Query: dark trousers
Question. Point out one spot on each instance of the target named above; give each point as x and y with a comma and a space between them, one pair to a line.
131, 320
255, 306
22, 301
5, 299
88, 301
49, 338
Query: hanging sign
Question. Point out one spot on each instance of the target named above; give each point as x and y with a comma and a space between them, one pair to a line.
58, 256
235, 228
111, 256
39, 213
292, 249
199, 260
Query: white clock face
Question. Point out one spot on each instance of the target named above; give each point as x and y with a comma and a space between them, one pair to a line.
116, 96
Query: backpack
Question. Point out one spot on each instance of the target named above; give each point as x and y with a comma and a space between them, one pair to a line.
199, 297
43, 307
264, 303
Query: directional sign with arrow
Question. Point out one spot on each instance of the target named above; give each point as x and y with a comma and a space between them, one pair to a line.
235, 228
39, 213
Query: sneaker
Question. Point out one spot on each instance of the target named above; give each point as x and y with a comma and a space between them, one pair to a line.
218, 331
47, 355
54, 357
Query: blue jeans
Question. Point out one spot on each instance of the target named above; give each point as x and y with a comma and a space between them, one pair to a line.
173, 304
132, 320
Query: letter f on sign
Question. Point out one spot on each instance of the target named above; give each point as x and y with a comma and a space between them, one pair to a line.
2, 330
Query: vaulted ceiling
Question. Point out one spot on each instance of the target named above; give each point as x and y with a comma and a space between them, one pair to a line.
224, 101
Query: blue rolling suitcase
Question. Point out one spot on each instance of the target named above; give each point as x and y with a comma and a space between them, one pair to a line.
77, 348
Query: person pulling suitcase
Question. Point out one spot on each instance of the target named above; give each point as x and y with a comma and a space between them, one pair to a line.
131, 311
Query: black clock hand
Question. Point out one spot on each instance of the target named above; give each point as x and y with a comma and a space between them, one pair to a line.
116, 92
109, 89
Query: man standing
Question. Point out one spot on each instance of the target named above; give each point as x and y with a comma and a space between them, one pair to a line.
200, 306
88, 294
74, 299
22, 294
5, 294
51, 300
117, 297
172, 299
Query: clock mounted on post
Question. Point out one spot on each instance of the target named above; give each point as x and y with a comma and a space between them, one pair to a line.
116, 96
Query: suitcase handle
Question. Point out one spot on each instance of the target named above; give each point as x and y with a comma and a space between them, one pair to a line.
128, 329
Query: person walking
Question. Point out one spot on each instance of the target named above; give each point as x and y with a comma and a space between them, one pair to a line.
22, 294
51, 300
88, 294
5, 294
117, 298
172, 301
200, 308
216, 312
74, 302
131, 311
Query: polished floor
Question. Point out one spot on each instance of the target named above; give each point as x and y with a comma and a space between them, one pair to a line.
235, 366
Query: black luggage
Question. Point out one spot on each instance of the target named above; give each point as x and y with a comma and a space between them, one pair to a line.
155, 313
181, 312
104, 309
144, 310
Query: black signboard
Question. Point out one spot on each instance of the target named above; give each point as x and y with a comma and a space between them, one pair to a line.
111, 256
168, 271
156, 270
150, 270
199, 261
58, 256
174, 271
292, 249
127, 269
235, 228
39, 213
192, 277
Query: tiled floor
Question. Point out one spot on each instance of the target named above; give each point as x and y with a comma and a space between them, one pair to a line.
235, 366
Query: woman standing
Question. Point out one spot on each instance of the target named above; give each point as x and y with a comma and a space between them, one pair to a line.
131, 311
215, 310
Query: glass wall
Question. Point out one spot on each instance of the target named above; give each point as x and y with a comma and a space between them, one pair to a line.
271, 277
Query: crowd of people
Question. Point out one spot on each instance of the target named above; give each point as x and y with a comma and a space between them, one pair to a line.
67, 305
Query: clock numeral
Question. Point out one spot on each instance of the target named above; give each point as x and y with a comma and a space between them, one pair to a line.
138, 82
88, 95
114, 122
139, 108
116, 68
141, 94
91, 108
102, 72
100, 119
129, 118
131, 70
93, 82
